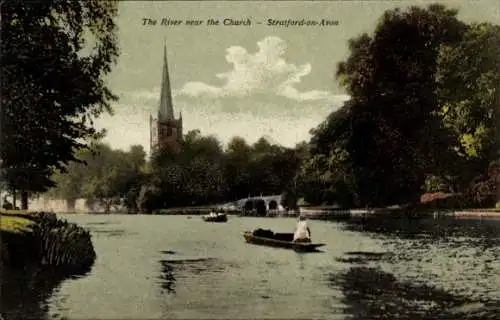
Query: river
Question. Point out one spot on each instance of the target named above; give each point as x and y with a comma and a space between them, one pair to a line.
172, 267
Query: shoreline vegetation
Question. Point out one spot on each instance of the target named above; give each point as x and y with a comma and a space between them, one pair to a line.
39, 241
37, 252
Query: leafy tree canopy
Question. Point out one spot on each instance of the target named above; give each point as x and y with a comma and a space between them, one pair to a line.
423, 89
54, 55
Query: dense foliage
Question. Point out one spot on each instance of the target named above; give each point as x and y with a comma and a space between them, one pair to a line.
104, 176
54, 57
421, 118
202, 173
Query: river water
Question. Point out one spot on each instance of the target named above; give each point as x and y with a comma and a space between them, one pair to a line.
173, 267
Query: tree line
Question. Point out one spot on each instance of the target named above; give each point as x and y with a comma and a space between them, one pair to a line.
201, 173
422, 117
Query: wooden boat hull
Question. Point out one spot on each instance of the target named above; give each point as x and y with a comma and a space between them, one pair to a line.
220, 218
270, 242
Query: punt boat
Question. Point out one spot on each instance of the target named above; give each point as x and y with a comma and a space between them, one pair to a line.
279, 240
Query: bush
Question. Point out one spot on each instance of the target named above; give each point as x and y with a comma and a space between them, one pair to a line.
51, 243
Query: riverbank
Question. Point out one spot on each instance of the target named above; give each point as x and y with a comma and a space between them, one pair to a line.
329, 212
41, 241
199, 210
335, 213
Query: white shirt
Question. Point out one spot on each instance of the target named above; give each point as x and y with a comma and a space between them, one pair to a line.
301, 231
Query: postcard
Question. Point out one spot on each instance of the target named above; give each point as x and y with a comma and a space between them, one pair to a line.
250, 159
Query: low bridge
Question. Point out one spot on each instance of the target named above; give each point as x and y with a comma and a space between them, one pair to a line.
259, 205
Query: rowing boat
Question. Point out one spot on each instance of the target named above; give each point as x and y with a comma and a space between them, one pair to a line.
279, 240
219, 217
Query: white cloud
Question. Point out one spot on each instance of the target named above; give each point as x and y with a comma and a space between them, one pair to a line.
264, 71
258, 98
197, 89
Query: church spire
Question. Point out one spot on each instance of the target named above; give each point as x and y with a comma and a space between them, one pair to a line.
166, 109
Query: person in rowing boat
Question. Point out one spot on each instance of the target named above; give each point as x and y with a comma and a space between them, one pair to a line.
302, 231
213, 213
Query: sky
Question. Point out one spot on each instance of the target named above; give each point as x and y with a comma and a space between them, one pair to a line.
242, 80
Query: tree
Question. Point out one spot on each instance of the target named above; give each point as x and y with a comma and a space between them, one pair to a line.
54, 57
484, 187
327, 179
192, 176
263, 146
68, 185
389, 129
468, 83
237, 168
106, 176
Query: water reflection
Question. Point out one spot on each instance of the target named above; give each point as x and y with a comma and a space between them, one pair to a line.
361, 257
167, 278
168, 252
174, 270
470, 241
430, 228
108, 232
438, 269
98, 223
419, 269
25, 292
106, 228
300, 258
371, 293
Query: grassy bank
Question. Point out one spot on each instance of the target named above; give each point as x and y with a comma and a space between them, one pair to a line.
39, 240
15, 224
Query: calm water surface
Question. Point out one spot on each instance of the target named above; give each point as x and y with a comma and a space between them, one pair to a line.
168, 267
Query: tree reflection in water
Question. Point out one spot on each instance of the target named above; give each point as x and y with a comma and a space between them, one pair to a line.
371, 293
25, 292
415, 228
171, 270
167, 278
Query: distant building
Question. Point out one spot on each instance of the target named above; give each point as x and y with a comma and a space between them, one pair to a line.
165, 130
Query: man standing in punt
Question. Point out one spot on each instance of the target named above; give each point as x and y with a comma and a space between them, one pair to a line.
302, 231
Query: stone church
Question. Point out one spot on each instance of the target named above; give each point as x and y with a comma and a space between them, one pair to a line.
165, 130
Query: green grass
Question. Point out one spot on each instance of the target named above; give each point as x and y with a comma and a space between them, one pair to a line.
14, 224
13, 221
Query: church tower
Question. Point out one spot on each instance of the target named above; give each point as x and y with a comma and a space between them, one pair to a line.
165, 130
